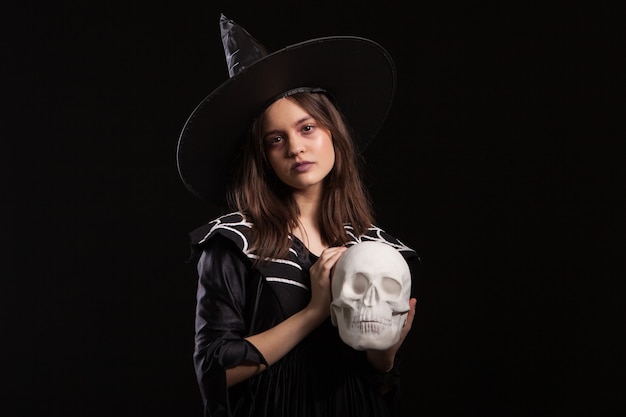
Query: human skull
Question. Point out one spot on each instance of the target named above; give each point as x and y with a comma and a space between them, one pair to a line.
371, 288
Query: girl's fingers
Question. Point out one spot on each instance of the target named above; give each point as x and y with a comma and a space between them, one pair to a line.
330, 256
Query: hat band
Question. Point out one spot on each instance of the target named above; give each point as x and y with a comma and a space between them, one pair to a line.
298, 90
288, 93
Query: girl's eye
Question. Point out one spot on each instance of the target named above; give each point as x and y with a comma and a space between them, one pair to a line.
307, 128
274, 140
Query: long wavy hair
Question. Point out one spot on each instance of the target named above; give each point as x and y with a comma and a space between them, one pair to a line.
268, 202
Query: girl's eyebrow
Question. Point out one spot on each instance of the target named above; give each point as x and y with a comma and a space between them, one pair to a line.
304, 119
278, 131
271, 133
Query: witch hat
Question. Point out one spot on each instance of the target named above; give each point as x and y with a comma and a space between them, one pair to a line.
357, 73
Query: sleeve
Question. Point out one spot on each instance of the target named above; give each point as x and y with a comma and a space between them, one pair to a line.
220, 321
392, 379
415, 266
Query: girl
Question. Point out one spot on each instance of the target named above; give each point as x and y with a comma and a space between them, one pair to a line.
265, 345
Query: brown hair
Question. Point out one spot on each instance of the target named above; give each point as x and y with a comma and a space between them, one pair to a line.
268, 203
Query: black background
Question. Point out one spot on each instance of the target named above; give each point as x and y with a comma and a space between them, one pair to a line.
500, 163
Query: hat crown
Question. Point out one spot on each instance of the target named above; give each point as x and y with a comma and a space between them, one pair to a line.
240, 48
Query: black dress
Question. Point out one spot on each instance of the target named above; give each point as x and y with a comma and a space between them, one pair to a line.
321, 377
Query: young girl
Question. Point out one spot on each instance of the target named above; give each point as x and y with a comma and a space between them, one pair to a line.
265, 345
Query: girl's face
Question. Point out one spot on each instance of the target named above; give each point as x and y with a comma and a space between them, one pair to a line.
298, 148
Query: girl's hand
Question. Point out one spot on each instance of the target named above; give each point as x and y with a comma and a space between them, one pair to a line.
383, 360
320, 273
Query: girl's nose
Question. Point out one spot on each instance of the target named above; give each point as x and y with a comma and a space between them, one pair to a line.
295, 147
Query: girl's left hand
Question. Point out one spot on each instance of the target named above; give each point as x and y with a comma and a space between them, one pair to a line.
383, 360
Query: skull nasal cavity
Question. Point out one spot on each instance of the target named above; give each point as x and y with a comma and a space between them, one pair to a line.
371, 296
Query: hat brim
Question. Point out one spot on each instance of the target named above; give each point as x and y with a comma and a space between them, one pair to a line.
358, 73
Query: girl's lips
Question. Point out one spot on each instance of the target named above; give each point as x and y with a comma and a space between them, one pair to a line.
302, 166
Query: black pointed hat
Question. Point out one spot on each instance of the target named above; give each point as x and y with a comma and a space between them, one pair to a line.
357, 73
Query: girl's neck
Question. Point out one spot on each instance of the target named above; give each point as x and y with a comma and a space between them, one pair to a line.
308, 228
309, 234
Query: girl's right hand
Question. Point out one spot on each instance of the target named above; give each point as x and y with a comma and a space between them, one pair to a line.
320, 273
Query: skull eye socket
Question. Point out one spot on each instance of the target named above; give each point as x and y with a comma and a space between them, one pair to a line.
392, 286
360, 284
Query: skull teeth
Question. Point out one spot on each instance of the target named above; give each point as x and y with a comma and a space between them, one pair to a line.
367, 322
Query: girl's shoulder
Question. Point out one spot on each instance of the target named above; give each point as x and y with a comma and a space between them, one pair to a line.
375, 233
234, 226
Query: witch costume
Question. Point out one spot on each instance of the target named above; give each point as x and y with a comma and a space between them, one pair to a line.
236, 298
